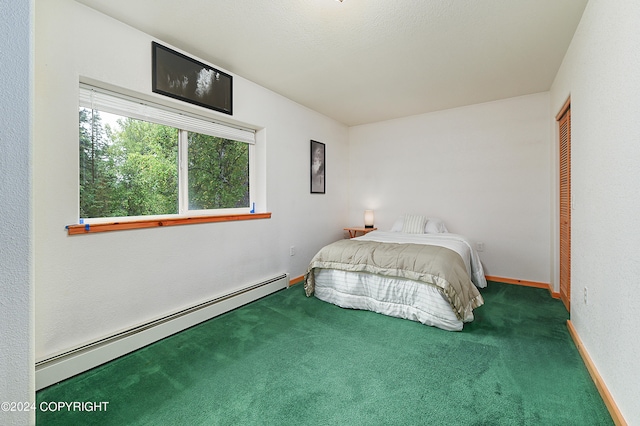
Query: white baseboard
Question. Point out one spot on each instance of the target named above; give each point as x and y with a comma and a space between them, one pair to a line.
86, 357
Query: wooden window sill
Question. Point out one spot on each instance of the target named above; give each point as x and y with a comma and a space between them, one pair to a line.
92, 228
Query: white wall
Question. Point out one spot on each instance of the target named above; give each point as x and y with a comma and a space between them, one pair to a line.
90, 286
600, 72
16, 253
484, 169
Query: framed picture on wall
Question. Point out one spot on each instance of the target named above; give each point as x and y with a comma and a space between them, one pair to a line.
317, 171
181, 77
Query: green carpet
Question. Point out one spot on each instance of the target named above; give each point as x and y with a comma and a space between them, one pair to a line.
291, 360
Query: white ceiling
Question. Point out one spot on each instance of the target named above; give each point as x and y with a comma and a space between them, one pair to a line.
364, 61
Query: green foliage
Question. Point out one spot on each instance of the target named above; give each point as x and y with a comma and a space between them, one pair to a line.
147, 159
218, 173
96, 184
132, 169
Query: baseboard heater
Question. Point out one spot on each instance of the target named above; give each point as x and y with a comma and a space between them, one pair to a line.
74, 361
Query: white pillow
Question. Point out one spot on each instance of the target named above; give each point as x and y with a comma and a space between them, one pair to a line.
397, 225
414, 224
435, 226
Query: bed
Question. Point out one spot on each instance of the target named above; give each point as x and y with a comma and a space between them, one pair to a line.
414, 271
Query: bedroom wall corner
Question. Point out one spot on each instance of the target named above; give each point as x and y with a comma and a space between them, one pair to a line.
484, 169
599, 71
16, 229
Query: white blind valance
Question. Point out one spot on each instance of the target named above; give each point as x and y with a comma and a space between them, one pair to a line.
115, 103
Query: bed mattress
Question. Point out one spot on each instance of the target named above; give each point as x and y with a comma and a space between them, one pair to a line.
399, 296
396, 297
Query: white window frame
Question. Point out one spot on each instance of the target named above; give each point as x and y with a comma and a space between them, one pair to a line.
115, 103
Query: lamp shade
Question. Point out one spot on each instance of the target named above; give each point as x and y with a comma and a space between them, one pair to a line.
368, 218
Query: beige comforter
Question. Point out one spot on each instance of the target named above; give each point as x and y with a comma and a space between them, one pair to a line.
432, 265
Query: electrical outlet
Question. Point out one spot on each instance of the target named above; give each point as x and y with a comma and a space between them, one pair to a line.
585, 295
480, 246
292, 251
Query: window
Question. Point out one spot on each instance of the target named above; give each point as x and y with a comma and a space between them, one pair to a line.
139, 159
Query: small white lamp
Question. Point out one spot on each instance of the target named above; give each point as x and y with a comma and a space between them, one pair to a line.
368, 218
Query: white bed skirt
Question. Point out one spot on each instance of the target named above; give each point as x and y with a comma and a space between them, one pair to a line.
397, 297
